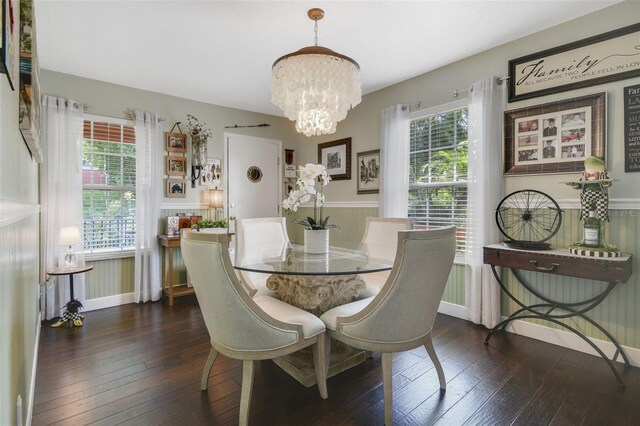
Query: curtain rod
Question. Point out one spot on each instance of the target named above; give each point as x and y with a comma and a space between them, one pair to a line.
128, 114
415, 106
456, 92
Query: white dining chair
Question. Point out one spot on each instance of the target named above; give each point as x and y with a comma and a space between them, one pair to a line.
401, 316
258, 239
245, 328
379, 242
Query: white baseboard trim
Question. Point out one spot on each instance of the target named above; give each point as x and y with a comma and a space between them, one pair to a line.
34, 368
453, 310
107, 302
570, 340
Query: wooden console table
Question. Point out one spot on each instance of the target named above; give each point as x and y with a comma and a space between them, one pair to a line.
560, 262
169, 244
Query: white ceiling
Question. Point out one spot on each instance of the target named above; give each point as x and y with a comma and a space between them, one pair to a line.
221, 52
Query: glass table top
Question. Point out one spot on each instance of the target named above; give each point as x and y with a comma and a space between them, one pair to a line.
292, 260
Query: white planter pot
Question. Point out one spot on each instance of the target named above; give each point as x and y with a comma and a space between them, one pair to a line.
316, 241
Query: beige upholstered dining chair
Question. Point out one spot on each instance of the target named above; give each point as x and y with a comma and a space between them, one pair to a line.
401, 316
379, 241
257, 239
245, 328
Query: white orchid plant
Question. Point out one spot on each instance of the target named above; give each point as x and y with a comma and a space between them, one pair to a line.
312, 178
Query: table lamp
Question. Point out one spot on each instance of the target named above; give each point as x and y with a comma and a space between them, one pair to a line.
70, 236
216, 200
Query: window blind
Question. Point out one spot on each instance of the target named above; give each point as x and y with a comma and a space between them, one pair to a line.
109, 181
438, 172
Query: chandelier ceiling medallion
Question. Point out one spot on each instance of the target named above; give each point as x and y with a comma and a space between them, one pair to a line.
315, 86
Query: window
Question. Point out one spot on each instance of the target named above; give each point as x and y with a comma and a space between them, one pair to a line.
438, 171
108, 185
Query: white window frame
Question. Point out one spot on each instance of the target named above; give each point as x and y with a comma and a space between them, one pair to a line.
106, 254
439, 109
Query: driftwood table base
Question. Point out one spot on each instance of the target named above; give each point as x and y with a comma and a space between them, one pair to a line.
317, 294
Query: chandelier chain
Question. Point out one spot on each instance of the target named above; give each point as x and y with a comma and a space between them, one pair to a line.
315, 29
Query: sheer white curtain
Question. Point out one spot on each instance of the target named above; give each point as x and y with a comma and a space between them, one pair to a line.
485, 190
148, 198
394, 162
60, 194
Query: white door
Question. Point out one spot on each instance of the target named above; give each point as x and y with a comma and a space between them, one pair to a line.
253, 175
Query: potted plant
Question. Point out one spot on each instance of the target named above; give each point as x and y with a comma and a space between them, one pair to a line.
214, 226
312, 178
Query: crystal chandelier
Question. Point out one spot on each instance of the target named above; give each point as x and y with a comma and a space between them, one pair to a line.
315, 86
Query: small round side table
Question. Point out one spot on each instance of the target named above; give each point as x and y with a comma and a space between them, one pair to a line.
71, 316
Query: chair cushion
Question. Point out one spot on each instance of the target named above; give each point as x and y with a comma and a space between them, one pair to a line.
311, 324
330, 317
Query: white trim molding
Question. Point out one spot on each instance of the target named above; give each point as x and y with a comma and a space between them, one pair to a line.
108, 301
453, 310
614, 204
14, 211
346, 204
570, 341
183, 206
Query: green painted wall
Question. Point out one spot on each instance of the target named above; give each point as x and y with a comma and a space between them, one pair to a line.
619, 313
109, 277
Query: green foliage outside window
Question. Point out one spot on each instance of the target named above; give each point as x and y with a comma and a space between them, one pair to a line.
109, 200
438, 164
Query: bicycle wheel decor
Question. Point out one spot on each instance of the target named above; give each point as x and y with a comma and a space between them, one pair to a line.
528, 218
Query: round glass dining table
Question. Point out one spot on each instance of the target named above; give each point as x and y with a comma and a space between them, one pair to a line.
315, 282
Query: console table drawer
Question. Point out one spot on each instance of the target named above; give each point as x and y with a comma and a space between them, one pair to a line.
560, 262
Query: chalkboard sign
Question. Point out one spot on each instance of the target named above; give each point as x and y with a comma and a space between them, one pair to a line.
632, 128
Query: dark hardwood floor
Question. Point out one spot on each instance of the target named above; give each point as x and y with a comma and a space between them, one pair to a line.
141, 364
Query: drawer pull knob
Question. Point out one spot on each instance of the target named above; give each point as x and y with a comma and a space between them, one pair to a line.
542, 269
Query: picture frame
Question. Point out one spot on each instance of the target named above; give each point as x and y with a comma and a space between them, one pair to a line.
336, 157
566, 133
631, 97
368, 165
175, 142
595, 60
175, 188
211, 174
30, 111
8, 55
176, 166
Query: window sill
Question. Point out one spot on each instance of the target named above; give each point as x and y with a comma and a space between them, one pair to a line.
108, 254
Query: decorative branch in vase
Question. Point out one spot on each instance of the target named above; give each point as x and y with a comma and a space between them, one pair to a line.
199, 137
312, 178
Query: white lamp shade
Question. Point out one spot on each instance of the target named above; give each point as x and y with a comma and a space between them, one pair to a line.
69, 236
216, 198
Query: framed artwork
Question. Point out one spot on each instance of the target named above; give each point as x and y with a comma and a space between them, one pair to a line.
176, 166
596, 60
369, 172
632, 128
175, 188
336, 157
211, 175
555, 137
175, 142
30, 109
9, 59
